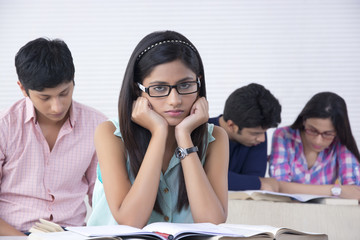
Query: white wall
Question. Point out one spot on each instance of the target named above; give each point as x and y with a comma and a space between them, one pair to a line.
295, 48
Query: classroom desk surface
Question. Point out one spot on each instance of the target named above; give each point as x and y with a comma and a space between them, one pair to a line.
337, 221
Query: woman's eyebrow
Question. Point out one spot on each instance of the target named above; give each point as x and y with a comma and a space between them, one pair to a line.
166, 83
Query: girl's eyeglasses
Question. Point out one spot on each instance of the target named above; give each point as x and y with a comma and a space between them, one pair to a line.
164, 90
328, 135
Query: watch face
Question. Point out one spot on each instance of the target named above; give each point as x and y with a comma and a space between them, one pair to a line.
180, 153
336, 191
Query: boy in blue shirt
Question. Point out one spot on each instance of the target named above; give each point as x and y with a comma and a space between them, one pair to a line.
249, 111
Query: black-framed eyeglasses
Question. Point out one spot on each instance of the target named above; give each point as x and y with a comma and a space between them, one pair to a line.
328, 135
163, 90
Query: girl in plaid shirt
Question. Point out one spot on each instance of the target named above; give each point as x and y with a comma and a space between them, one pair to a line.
317, 151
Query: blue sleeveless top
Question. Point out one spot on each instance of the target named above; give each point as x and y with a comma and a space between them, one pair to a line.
167, 194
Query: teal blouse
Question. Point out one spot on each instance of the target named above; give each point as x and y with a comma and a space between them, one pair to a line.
167, 193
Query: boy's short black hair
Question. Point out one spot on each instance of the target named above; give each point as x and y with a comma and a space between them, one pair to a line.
44, 63
252, 106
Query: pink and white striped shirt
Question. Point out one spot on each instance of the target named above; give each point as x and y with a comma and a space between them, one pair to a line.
36, 183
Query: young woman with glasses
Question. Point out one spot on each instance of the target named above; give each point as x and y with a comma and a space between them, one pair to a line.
160, 160
318, 154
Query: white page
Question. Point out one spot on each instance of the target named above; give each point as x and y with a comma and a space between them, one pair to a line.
57, 236
262, 229
252, 229
108, 230
299, 197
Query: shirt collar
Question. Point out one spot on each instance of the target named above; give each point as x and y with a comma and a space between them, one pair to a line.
30, 113
72, 115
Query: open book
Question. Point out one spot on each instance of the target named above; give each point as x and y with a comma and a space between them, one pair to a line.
262, 232
158, 230
176, 231
285, 197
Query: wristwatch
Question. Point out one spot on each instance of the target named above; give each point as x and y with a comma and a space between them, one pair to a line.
336, 190
181, 153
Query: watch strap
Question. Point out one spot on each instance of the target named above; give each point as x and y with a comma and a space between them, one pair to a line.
191, 150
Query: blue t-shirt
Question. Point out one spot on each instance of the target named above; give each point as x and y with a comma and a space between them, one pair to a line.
246, 164
167, 194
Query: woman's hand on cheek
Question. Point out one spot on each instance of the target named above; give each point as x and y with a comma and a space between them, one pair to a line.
145, 116
199, 114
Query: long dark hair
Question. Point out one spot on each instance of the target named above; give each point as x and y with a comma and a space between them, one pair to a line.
330, 105
154, 49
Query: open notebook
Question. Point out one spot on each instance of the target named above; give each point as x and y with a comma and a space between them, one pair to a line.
285, 197
176, 231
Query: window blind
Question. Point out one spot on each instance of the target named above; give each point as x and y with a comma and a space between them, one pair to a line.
294, 48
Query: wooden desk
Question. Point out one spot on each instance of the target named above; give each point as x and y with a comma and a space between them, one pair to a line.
337, 221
